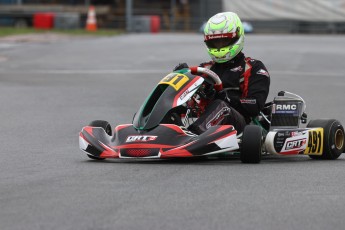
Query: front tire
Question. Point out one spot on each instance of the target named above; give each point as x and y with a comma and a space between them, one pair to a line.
251, 147
95, 158
333, 141
102, 124
107, 128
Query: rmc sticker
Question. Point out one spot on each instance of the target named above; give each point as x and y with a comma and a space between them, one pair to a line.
315, 142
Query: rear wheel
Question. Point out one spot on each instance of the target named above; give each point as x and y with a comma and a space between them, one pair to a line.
333, 140
107, 127
251, 147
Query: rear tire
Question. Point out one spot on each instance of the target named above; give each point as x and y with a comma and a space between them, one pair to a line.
107, 128
251, 147
333, 140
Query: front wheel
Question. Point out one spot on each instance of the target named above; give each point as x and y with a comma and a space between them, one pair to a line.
102, 124
95, 158
107, 128
251, 146
333, 141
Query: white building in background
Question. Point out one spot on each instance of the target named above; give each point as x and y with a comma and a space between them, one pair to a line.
302, 10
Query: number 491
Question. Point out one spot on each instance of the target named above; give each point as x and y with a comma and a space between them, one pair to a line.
314, 142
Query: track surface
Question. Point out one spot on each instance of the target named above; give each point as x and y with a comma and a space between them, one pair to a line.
49, 91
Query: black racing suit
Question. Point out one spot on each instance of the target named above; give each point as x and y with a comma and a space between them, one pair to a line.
246, 84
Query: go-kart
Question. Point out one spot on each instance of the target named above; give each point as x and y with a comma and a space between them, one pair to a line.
160, 127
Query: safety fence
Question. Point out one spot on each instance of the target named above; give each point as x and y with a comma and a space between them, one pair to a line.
266, 16
172, 15
292, 16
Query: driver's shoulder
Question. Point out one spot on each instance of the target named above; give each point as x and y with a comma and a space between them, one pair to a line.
254, 62
207, 65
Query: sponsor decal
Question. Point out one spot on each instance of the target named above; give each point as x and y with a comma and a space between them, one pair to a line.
281, 134
297, 133
283, 141
315, 142
184, 94
140, 138
225, 111
248, 101
263, 72
237, 69
216, 36
285, 108
295, 144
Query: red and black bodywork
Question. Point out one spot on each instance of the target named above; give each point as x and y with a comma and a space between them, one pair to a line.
164, 141
152, 135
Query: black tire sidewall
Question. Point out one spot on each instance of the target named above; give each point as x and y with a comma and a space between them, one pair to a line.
102, 124
333, 151
251, 145
330, 152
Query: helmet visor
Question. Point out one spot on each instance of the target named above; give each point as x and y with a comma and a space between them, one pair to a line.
221, 42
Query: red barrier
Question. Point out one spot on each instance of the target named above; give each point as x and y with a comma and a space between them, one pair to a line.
43, 20
155, 24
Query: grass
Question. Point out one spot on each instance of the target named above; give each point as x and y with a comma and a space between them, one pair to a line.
7, 31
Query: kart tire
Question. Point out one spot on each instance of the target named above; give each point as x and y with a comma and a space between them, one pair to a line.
102, 124
251, 147
107, 127
333, 140
95, 158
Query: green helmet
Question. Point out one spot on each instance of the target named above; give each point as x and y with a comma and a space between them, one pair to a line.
224, 36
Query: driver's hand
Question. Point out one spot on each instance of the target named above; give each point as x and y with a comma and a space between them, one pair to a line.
208, 91
181, 66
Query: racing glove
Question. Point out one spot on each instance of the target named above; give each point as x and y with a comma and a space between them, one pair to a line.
208, 91
181, 66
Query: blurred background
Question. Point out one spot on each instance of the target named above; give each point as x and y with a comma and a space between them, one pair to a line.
261, 16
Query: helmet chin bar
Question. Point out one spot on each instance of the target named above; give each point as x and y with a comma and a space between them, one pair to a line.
225, 53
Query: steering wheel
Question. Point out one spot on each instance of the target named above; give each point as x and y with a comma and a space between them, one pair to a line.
218, 86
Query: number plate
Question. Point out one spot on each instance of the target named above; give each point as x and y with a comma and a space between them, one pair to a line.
175, 80
315, 142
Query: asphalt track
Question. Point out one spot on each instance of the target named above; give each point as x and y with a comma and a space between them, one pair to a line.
49, 91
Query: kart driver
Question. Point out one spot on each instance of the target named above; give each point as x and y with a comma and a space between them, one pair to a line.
245, 80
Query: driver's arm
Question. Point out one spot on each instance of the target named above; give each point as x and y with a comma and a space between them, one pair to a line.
255, 89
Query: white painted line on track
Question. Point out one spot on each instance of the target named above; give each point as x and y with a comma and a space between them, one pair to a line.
120, 71
297, 73
7, 45
85, 72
